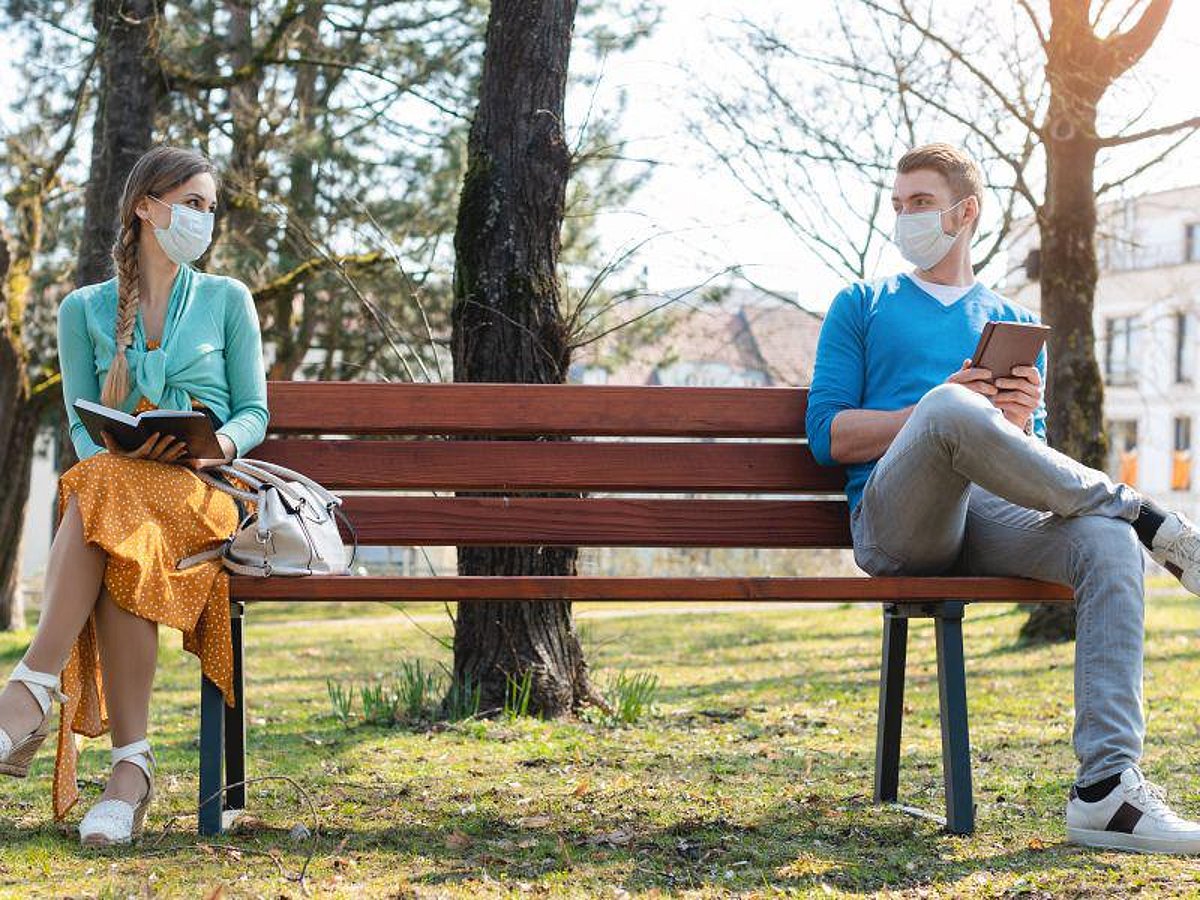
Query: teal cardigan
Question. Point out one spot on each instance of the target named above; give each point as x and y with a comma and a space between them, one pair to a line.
211, 350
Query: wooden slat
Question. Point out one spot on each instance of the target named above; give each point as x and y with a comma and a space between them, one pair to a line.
475, 521
661, 466
468, 588
514, 409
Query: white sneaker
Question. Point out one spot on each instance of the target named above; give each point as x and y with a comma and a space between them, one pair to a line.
1176, 547
1134, 816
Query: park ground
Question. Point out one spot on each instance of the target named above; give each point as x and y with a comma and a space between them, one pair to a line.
751, 778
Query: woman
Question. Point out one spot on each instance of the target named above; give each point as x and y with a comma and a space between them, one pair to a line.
160, 334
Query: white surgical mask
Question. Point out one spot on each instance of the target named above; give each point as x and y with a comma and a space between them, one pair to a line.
188, 235
920, 238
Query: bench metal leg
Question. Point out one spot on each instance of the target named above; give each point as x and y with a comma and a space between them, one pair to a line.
235, 721
891, 706
952, 696
212, 740
956, 741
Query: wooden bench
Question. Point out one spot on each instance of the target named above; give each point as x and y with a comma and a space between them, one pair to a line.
760, 452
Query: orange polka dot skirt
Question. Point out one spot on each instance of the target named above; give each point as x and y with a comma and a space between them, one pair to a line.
146, 516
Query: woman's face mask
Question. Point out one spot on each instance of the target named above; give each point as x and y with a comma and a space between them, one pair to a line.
188, 235
920, 238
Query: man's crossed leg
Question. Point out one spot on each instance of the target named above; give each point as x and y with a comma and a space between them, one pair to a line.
961, 490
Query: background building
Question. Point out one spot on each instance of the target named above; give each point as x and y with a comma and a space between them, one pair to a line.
1146, 321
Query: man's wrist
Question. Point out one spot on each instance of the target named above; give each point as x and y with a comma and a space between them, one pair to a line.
1029, 426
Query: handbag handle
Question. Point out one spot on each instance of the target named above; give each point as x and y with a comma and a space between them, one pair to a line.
229, 489
242, 469
262, 467
256, 479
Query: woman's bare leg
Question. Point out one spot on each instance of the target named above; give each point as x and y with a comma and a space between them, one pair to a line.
128, 657
74, 574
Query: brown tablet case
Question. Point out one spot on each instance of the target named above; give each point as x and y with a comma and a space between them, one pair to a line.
1004, 345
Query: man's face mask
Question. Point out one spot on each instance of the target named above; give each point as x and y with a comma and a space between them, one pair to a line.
188, 235
920, 238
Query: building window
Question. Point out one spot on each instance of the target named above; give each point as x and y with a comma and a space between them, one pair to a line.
1191, 242
1183, 356
1181, 458
1123, 451
1120, 360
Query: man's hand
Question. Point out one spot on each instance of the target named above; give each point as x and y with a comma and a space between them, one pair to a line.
159, 447
1016, 395
1019, 394
978, 380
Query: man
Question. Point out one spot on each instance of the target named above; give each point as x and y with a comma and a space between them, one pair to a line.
949, 472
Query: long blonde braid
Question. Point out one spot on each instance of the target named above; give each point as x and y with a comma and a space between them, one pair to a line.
125, 255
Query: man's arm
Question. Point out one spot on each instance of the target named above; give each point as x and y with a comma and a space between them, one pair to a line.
863, 435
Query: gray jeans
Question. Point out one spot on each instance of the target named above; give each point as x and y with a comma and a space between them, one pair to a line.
963, 491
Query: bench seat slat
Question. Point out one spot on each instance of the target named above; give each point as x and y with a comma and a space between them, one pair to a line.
334, 407
659, 466
598, 522
577, 588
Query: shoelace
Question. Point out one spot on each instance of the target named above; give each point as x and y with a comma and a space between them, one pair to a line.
1153, 800
1186, 542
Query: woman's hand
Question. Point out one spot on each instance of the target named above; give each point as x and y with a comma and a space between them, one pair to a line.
227, 446
159, 447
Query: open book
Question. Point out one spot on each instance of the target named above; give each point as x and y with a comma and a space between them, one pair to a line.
193, 427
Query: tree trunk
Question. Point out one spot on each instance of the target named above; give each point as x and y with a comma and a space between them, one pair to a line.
1068, 276
129, 88
292, 338
508, 326
16, 462
19, 416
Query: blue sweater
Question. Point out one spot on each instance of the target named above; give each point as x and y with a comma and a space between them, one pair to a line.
211, 350
885, 344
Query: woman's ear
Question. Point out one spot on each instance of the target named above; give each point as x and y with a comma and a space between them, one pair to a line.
143, 210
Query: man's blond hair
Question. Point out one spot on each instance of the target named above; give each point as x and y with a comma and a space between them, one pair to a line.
952, 163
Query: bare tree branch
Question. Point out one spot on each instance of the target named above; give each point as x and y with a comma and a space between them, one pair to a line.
1122, 49
1117, 140
907, 16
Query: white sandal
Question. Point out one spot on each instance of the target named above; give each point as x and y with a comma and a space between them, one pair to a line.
16, 755
113, 822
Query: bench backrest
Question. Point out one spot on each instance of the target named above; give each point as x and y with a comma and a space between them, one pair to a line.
393, 438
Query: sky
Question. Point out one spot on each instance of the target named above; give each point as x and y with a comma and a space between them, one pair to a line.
700, 222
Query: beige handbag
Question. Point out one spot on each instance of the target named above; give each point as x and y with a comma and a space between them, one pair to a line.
293, 530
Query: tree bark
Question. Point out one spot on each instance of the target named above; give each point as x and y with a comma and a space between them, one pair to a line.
130, 85
1075, 389
19, 414
508, 326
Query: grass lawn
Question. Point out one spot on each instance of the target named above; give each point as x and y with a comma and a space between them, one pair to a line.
752, 778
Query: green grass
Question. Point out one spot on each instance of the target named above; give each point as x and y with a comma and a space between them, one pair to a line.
752, 776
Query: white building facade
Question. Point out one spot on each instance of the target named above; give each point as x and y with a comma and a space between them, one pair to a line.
1147, 323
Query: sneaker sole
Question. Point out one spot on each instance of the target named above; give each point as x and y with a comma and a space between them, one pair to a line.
1134, 843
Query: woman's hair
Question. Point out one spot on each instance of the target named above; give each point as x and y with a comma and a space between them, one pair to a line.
158, 171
